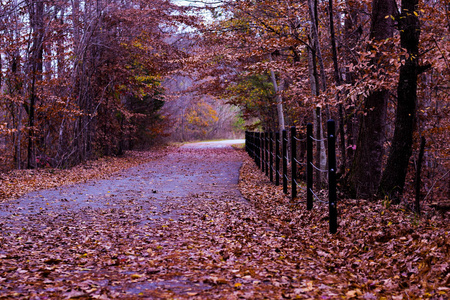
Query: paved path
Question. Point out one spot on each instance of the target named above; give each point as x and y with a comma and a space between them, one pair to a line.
195, 167
214, 144
141, 232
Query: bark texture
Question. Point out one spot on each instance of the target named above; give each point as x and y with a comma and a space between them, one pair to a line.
393, 180
366, 169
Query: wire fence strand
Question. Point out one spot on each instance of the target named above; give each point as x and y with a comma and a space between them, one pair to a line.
317, 197
299, 163
298, 185
320, 170
300, 140
316, 140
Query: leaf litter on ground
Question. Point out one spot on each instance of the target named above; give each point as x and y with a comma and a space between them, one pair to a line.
225, 247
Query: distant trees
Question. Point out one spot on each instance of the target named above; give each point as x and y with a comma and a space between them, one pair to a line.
196, 116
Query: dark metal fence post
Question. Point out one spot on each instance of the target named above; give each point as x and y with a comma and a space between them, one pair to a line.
309, 168
258, 149
255, 149
284, 137
246, 141
332, 175
419, 167
266, 136
277, 158
293, 162
252, 145
271, 155
263, 151
261, 148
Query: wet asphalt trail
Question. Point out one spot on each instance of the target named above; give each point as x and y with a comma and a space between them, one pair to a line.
79, 240
157, 187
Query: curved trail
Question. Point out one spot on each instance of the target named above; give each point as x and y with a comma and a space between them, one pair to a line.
163, 229
192, 169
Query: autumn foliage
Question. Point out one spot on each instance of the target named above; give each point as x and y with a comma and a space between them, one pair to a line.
82, 79
94, 79
371, 72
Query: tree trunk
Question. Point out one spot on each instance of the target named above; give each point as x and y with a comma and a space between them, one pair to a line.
36, 57
321, 156
314, 57
393, 180
279, 99
316, 44
18, 150
366, 169
352, 34
337, 78
313, 77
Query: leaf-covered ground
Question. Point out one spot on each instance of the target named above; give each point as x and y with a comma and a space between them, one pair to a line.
380, 251
213, 244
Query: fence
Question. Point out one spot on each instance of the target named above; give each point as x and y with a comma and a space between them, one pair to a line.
259, 146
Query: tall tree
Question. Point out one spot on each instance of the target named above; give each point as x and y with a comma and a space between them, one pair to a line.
36, 13
366, 169
279, 99
393, 180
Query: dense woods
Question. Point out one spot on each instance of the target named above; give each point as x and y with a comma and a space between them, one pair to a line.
92, 208
380, 68
83, 79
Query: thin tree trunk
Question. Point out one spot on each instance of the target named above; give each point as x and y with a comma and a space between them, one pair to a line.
60, 59
313, 77
337, 78
315, 37
30, 159
321, 156
278, 98
19, 139
314, 56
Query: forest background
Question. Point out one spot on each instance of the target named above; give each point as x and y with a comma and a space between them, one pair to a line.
85, 79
